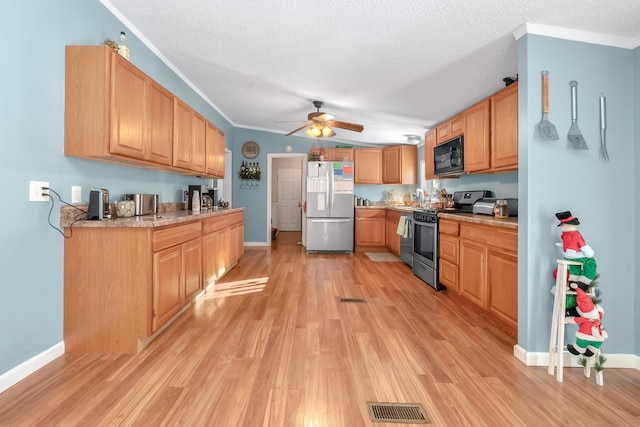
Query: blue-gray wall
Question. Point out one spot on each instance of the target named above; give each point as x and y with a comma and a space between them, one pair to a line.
555, 177
32, 140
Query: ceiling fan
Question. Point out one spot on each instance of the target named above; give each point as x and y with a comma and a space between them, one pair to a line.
321, 124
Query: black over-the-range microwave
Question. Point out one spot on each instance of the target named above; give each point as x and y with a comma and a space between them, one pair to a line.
448, 158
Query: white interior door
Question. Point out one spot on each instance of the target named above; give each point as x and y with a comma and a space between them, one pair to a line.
289, 199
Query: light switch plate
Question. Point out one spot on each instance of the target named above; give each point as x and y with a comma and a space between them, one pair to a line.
76, 194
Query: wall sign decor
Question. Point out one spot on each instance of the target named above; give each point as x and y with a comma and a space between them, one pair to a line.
250, 149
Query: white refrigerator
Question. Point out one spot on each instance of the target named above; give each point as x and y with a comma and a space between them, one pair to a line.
330, 209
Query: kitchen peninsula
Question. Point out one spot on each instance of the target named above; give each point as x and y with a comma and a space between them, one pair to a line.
126, 279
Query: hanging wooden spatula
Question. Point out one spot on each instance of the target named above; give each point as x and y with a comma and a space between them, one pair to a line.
547, 129
575, 136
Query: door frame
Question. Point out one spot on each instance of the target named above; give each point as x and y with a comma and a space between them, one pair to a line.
303, 189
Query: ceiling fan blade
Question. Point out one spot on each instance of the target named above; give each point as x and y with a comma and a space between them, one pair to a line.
346, 125
300, 128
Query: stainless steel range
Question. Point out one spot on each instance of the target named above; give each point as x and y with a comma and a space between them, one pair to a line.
426, 239
425, 248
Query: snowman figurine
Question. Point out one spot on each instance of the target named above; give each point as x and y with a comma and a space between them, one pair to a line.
576, 249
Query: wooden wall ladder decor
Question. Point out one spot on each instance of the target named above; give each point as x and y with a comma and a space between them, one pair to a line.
556, 342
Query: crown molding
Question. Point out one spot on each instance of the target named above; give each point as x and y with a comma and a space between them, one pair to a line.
576, 35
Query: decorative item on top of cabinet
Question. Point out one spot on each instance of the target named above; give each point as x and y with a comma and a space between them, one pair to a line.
450, 129
368, 165
504, 129
400, 164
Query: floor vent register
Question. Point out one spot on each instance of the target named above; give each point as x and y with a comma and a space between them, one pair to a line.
408, 413
360, 300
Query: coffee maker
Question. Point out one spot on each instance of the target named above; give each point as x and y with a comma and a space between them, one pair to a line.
99, 204
201, 189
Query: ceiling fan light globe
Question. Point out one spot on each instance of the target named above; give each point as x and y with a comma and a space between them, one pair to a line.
327, 131
314, 131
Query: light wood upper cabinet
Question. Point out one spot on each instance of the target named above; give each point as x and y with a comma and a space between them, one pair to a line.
160, 129
106, 106
429, 145
116, 113
450, 129
215, 151
400, 164
343, 155
198, 154
335, 154
368, 166
477, 137
128, 115
504, 129
182, 135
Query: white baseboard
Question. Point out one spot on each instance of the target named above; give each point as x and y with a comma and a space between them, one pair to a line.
256, 244
23, 370
529, 358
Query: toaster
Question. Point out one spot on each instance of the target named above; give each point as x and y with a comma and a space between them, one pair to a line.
145, 204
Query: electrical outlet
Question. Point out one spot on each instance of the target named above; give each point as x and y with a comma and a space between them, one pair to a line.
76, 194
35, 191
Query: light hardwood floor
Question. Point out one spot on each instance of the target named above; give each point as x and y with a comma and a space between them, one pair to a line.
272, 346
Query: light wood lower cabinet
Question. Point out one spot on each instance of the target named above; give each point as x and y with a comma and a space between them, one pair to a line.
370, 228
391, 231
222, 244
480, 262
168, 285
126, 283
449, 254
473, 272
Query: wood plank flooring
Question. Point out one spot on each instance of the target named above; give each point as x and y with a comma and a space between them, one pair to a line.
273, 346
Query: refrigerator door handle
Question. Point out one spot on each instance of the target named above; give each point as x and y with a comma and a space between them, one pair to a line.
333, 188
331, 220
329, 189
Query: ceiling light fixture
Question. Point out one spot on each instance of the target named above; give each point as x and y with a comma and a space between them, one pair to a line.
413, 139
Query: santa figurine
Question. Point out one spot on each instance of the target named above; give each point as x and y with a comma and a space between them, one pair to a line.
576, 249
590, 334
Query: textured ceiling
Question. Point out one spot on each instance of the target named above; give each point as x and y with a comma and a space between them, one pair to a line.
397, 67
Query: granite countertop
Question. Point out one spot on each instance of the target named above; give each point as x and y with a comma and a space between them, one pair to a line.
511, 222
166, 216
399, 208
458, 216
